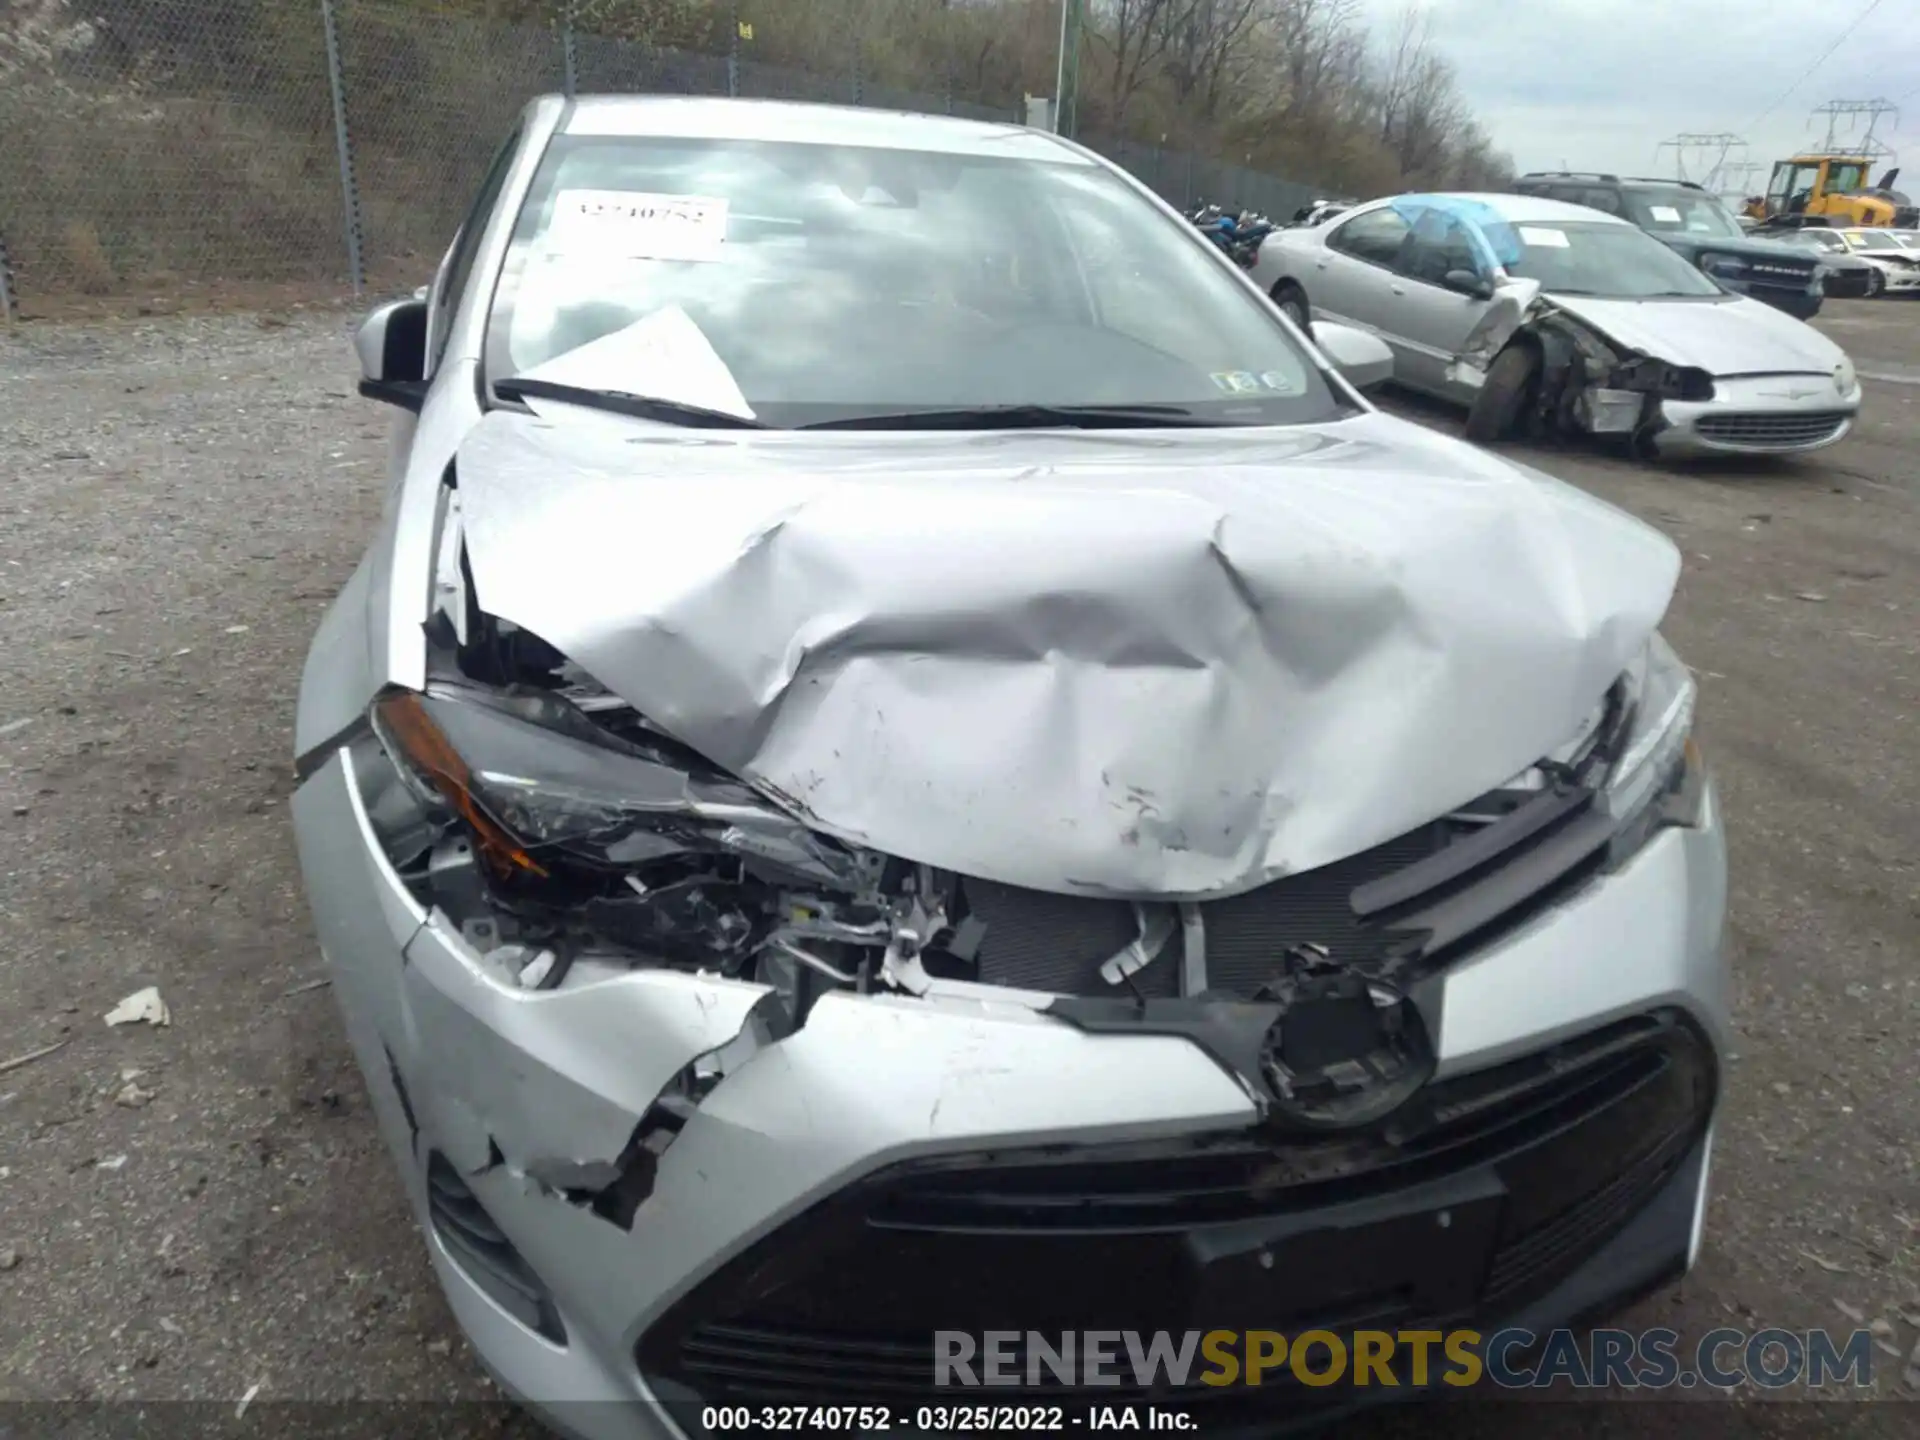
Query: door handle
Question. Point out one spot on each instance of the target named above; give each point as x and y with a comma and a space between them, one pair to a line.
1397, 289
1320, 264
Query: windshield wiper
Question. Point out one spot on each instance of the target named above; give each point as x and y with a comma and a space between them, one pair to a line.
620, 402
1024, 417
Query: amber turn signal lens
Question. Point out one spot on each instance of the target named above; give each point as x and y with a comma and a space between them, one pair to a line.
406, 723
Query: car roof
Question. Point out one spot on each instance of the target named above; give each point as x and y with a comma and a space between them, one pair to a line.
1527, 209
801, 122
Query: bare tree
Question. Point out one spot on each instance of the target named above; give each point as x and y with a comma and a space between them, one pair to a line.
1136, 34
1202, 36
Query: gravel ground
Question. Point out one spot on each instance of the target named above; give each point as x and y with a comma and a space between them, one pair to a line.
181, 498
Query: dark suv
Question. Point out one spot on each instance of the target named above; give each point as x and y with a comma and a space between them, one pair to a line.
1695, 222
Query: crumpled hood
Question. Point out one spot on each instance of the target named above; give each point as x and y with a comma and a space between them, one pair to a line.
1155, 663
1736, 336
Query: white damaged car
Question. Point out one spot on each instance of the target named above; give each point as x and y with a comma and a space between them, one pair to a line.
907, 756
1545, 317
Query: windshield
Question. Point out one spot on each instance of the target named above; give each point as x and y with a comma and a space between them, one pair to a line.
1573, 257
1685, 211
1812, 239
1871, 240
805, 284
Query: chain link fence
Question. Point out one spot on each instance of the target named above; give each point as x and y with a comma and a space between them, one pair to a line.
149, 146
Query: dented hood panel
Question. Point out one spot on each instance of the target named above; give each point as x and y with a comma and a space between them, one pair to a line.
1736, 336
1156, 663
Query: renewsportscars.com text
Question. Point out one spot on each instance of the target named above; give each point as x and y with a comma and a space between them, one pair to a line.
1512, 1359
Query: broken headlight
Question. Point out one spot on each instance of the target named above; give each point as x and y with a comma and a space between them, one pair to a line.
1658, 778
541, 787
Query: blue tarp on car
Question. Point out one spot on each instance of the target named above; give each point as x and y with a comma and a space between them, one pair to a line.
1491, 237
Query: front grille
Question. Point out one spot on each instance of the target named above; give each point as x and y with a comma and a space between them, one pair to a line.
1546, 1158
1783, 431
1056, 943
484, 1253
1431, 891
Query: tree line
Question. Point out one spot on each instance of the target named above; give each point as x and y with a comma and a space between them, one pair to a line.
1301, 88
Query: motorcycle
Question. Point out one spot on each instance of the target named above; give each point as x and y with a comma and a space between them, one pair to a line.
1238, 235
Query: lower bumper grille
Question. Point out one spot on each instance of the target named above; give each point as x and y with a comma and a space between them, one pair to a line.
1541, 1161
1784, 431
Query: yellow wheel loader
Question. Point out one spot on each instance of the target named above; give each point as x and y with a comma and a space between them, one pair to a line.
1833, 186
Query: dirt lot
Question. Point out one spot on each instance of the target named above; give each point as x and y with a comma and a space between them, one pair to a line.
181, 496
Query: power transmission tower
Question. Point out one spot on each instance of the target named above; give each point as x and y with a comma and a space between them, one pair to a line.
1713, 151
1736, 177
1845, 118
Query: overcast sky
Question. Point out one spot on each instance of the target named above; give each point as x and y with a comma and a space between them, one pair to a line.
1598, 84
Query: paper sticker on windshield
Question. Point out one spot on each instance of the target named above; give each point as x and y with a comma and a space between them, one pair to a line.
1534, 235
665, 355
1664, 213
635, 225
1279, 380
1236, 382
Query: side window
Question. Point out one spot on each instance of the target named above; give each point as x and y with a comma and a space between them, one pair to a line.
1800, 188
1600, 200
452, 282
1440, 244
1567, 194
1373, 237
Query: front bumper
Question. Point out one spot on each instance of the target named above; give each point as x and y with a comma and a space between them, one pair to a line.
1850, 283
1758, 415
512, 1086
1901, 280
1800, 301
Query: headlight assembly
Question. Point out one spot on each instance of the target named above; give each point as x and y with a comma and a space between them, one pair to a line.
1723, 267
1659, 778
1845, 378
539, 785
550, 835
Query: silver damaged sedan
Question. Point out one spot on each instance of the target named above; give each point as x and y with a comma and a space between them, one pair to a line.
1545, 317
909, 756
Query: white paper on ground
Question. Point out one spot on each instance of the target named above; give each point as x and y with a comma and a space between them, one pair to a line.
1534, 235
666, 356
638, 225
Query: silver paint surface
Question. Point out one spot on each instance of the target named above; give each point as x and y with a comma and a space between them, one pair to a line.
1147, 663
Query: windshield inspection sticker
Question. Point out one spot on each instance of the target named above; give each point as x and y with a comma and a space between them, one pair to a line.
1666, 214
635, 225
1534, 235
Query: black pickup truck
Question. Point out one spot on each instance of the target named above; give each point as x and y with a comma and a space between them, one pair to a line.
1695, 222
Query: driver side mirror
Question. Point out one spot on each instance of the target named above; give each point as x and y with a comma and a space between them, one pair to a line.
1465, 282
392, 345
1362, 358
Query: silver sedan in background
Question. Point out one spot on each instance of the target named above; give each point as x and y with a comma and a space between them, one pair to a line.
1544, 316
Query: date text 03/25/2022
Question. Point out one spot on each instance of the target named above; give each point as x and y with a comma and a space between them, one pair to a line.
956, 1419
